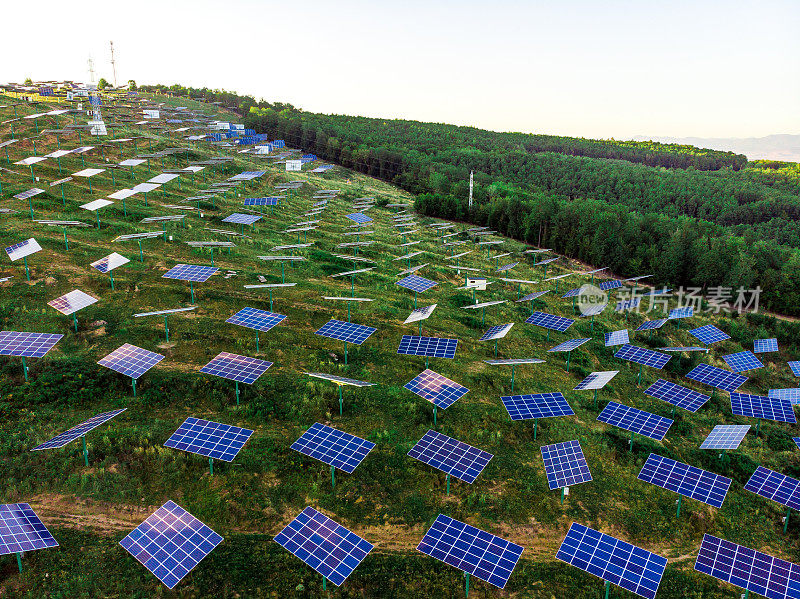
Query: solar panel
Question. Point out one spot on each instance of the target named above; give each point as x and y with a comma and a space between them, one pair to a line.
725, 436
792, 394
550, 321
609, 285
130, 360
22, 249
763, 346
758, 406
565, 464
682, 312
170, 543
348, 332
775, 486
608, 558
497, 332
340, 379
795, 367
333, 447
532, 296
513, 361
617, 338
569, 345
260, 320
209, 439
709, 334
572, 293
796, 441
22, 530
27, 345
72, 301
433, 347
452, 456
78, 431
627, 304
359, 218
682, 348
96, 205
471, 549
635, 420
640, 355
242, 219
437, 389
483, 304
160, 312
747, 568
109, 263
716, 377
326, 546
506, 267
416, 283
420, 314
742, 361
649, 325
536, 405
270, 201
596, 380
686, 480
190, 272
675, 395
234, 367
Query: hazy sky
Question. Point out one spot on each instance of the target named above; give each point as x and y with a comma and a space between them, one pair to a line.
599, 68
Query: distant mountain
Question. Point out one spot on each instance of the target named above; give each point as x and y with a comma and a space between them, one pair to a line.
771, 147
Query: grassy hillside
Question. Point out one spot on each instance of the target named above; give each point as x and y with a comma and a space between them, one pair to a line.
390, 499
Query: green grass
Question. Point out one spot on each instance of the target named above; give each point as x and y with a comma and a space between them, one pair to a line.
390, 499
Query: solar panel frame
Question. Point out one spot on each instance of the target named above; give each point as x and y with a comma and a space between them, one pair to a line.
763, 346
436, 388
242, 219
109, 263
358, 217
209, 439
234, 367
565, 465
569, 345
78, 430
795, 367
725, 436
340, 380
23, 249
686, 480
550, 321
259, 320
709, 334
677, 395
432, 347
615, 338
649, 325
778, 487
640, 355
759, 406
536, 405
22, 530
742, 361
130, 360
635, 420
71, 302
716, 377
26, 344
190, 272
596, 380
496, 332
416, 283
349, 332
333, 447
420, 314
450, 455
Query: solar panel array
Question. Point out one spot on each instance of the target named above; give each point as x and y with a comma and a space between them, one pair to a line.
348, 332
608, 558
190, 272
640, 355
333, 447
742, 361
685, 480
170, 543
550, 321
565, 464
635, 420
775, 486
22, 530
759, 406
209, 439
676, 395
27, 345
328, 547
130, 360
260, 320
536, 405
716, 377
437, 389
434, 347
78, 431
481, 554
763, 346
725, 436
452, 456
682, 312
749, 569
359, 217
234, 367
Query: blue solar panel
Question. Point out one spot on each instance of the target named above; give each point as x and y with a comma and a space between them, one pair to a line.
565, 464
452, 456
236, 368
649, 325
130, 360
775, 486
796, 441
536, 405
608, 558
328, 547
763, 346
346, 331
709, 334
271, 201
434, 347
569, 345
496, 332
260, 320
609, 285
742, 361
640, 355
209, 439
627, 304
333, 447
28, 345
359, 217
752, 570
791, 394
673, 394
170, 543
758, 406
471, 549
190, 272
682, 312
22, 530
78, 431
635, 420
596, 380
416, 283
535, 295
241, 219
437, 389
550, 321
617, 338
725, 436
685, 480
572, 293
795, 366
716, 377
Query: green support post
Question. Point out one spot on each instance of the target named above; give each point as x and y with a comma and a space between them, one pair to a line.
595, 399
85, 452
340, 400
680, 499
466, 583
166, 327
141, 256
211, 466
75, 321
191, 287
758, 426
568, 354
631, 442
257, 350
30, 205
134, 387
434, 415
563, 493
333, 477
111, 275
608, 587
19, 561
535, 426
24, 368
639, 376
448, 484
513, 366
237, 393
323, 583
786, 520
66, 241
495, 348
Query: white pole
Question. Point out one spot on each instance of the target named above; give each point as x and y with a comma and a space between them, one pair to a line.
470, 189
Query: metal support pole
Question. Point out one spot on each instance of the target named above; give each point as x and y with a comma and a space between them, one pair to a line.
333, 477
66, 241
19, 561
448, 484
563, 492
535, 426
191, 287
680, 499
786, 520
166, 328
211, 466
345, 353
631, 442
24, 368
434, 415
608, 587
568, 354
85, 451
758, 426
134, 387
466, 583
340, 400
141, 256
237, 392
75, 321
257, 350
